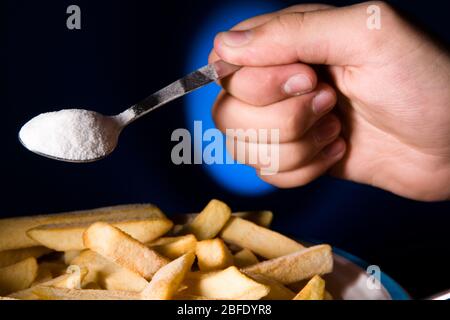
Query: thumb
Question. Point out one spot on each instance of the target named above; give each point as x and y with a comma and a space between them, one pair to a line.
336, 36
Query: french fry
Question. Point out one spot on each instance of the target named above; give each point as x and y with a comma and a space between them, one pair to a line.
277, 290
264, 242
226, 284
13, 256
107, 274
296, 266
13, 231
213, 254
174, 247
71, 280
51, 293
119, 247
26, 294
208, 223
314, 290
166, 281
18, 276
245, 258
65, 237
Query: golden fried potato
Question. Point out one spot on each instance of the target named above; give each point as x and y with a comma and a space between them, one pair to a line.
213, 254
18, 276
296, 266
13, 231
314, 290
264, 242
208, 223
119, 247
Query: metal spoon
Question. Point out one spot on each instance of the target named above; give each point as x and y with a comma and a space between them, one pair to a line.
111, 126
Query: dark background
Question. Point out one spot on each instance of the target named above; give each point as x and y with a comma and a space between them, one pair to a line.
125, 51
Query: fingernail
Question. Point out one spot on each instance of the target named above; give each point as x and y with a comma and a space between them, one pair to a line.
298, 84
236, 38
326, 131
322, 102
334, 149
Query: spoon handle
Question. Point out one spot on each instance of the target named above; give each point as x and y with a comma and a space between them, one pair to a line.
197, 79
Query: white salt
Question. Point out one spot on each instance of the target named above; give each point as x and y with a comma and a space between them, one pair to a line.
72, 134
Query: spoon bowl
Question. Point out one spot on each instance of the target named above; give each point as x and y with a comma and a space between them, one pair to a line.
72, 135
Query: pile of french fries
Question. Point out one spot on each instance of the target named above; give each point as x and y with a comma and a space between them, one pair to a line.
135, 252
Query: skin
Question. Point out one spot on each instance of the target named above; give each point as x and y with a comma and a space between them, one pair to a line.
391, 126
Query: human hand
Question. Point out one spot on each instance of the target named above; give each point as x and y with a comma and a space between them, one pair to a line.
393, 88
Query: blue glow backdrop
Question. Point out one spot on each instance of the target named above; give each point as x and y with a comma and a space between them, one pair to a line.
236, 178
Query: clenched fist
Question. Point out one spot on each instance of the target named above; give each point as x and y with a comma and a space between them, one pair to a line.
391, 88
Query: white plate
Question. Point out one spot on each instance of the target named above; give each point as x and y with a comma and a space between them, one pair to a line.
351, 281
